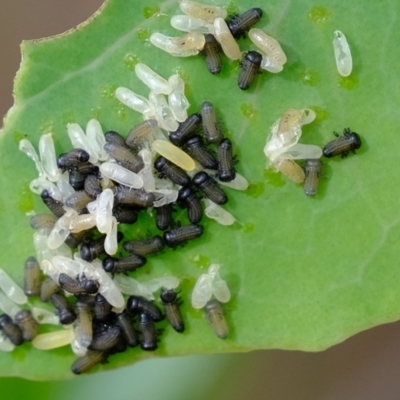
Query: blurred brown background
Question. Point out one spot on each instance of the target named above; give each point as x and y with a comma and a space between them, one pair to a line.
364, 367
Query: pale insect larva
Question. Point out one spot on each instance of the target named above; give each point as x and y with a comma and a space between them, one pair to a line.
214, 211
290, 169
239, 183
32, 277
134, 101
226, 40
313, 170
219, 287
202, 291
268, 45
40, 184
82, 223
8, 306
174, 154
95, 135
80, 141
177, 99
122, 175
26, 147
215, 314
48, 157
53, 340
11, 289
269, 65
105, 203
205, 12
152, 80
190, 24
344, 61
164, 114
183, 46
141, 134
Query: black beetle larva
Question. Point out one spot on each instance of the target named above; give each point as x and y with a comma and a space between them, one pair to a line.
11, 330
32, 277
178, 236
89, 360
92, 185
78, 286
210, 188
164, 216
76, 179
72, 158
127, 330
73, 240
171, 303
226, 161
124, 264
172, 171
189, 200
313, 170
43, 221
24, 319
78, 200
137, 197
65, 312
139, 305
145, 247
105, 339
55, 206
215, 314
102, 308
250, 68
125, 214
211, 126
139, 135
242, 23
125, 157
114, 138
91, 250
198, 150
149, 332
48, 288
185, 130
212, 52
84, 312
350, 141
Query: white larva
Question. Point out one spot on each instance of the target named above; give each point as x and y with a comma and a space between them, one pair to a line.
226, 40
269, 65
80, 141
165, 196
344, 61
301, 151
43, 252
96, 137
290, 169
174, 154
105, 204
132, 287
134, 101
63, 265
77, 348
111, 242
39, 184
190, 24
82, 223
202, 291
177, 99
57, 235
268, 45
214, 211
205, 12
64, 186
146, 173
164, 114
48, 157
43, 316
220, 289
152, 80
26, 147
11, 289
122, 175
6, 344
182, 46
239, 183
166, 282
53, 340
8, 306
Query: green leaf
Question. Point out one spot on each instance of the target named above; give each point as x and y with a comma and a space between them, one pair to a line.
305, 273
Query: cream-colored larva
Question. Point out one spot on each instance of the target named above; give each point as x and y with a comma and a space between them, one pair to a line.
202, 11
239, 183
134, 101
226, 40
270, 65
344, 61
290, 169
111, 242
121, 175
64, 186
174, 154
53, 340
96, 138
105, 204
82, 223
214, 211
164, 114
152, 80
268, 45
11, 289
183, 46
177, 99
190, 24
58, 234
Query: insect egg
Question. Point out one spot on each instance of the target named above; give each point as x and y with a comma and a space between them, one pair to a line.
53, 340
32, 277
212, 52
313, 170
290, 169
226, 40
242, 23
344, 61
152, 80
268, 45
122, 175
134, 101
214, 211
164, 114
11, 289
177, 99
202, 11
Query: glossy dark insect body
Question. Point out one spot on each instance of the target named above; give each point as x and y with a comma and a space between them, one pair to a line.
92, 185
145, 247
78, 287
171, 303
211, 126
139, 305
11, 330
250, 68
140, 134
188, 198
65, 312
88, 361
72, 159
343, 145
215, 314
242, 23
43, 221
105, 339
102, 308
47, 289
172, 171
127, 330
32, 277
212, 52
73, 240
137, 197
55, 206
24, 319
78, 200
76, 179
114, 138
210, 188
313, 171
125, 157
94, 248
226, 161
124, 264
164, 216
183, 234
84, 312
149, 332
199, 151
185, 130
125, 214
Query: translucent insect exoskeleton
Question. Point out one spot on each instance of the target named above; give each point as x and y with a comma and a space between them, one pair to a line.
137, 197
177, 99
164, 216
138, 305
183, 46
214, 211
190, 24
179, 236
270, 65
212, 52
313, 171
210, 188
242, 23
211, 126
134, 101
84, 328
127, 330
172, 171
185, 130
239, 183
202, 11
141, 134
174, 154
343, 145
96, 138
344, 61
196, 147
188, 198
124, 264
268, 45
43, 316
6, 344
215, 314
250, 68
11, 330
226, 161
171, 303
122, 175
11, 289
105, 339
32, 282
53, 340
24, 319
164, 114
226, 40
152, 80
149, 332
145, 247
64, 310
290, 169
88, 361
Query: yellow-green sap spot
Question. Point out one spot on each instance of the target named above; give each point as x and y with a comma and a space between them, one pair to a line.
47, 126
247, 228
68, 117
108, 91
274, 178
322, 114
121, 113
248, 110
143, 34
25, 199
310, 78
319, 14
130, 61
255, 189
95, 112
348, 82
148, 12
18, 136
233, 8
201, 261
